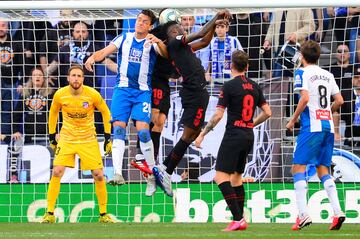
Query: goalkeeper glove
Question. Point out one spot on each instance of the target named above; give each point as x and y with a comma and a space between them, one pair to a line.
107, 144
53, 142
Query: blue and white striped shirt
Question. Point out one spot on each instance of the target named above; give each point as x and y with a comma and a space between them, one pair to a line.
136, 60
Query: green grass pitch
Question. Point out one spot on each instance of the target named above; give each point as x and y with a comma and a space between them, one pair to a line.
170, 230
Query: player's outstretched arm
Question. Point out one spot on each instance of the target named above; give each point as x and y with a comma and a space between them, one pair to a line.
219, 113
264, 115
111, 65
161, 47
205, 41
224, 14
99, 56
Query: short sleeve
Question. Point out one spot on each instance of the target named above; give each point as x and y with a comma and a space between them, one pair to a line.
262, 99
300, 82
117, 41
224, 97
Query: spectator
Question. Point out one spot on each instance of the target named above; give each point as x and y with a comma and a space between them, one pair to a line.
11, 68
250, 37
31, 115
221, 48
358, 46
350, 112
343, 17
319, 24
342, 68
292, 25
53, 40
342, 71
76, 51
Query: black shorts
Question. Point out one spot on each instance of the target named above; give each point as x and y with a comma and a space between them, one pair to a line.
234, 149
194, 104
160, 98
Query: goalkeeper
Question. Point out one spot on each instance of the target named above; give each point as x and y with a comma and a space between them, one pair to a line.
77, 136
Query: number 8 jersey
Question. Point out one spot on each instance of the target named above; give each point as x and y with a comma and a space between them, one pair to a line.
320, 84
240, 96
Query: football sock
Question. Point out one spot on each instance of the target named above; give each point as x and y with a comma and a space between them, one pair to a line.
101, 194
330, 188
118, 149
147, 150
300, 193
175, 155
147, 146
53, 193
231, 199
240, 196
155, 137
138, 150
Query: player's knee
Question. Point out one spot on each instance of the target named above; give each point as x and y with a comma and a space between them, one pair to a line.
119, 132
98, 177
58, 172
189, 138
324, 178
144, 135
159, 124
235, 180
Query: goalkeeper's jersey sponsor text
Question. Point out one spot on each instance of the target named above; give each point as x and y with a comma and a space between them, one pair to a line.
78, 114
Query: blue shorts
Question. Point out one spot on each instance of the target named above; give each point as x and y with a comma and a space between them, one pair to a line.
128, 102
314, 148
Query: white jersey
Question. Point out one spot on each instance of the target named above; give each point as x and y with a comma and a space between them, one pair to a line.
321, 85
136, 61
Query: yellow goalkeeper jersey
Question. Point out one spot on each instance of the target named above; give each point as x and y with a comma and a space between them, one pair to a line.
78, 114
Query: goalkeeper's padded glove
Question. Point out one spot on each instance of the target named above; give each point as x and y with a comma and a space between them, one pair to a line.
107, 144
53, 142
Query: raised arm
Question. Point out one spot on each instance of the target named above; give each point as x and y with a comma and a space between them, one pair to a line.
161, 47
99, 56
225, 14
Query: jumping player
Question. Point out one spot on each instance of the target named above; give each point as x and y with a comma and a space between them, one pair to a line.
132, 93
194, 96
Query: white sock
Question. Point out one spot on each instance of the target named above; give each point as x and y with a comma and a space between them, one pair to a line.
118, 149
148, 151
300, 193
330, 188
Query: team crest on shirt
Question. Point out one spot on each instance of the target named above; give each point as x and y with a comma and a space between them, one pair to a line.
85, 105
147, 44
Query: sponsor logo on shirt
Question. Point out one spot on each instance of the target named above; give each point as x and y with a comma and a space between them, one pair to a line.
77, 115
323, 115
135, 55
